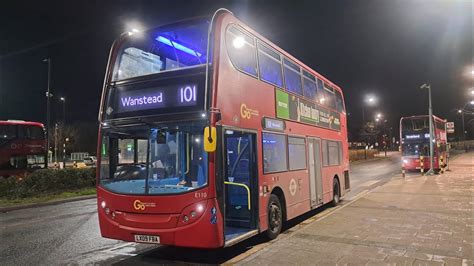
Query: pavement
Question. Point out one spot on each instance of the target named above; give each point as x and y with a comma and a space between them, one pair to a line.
417, 220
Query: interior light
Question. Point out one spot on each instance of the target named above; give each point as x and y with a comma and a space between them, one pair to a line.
238, 42
177, 46
203, 115
197, 140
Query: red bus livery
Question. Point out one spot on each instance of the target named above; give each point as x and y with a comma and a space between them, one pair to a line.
210, 134
415, 142
22, 147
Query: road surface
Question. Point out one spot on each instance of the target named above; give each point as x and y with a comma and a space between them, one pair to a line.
69, 234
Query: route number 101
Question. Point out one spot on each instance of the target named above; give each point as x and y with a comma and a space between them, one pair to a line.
188, 94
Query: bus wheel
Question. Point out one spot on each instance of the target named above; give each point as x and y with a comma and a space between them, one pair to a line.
275, 217
336, 193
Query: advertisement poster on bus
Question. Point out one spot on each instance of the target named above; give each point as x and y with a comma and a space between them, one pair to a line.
294, 108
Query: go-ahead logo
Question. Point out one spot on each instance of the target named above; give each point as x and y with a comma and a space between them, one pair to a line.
140, 206
246, 112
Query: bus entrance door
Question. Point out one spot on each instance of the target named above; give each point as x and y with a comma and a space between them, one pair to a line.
241, 183
315, 177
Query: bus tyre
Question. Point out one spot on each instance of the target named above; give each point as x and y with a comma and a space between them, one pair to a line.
275, 217
336, 193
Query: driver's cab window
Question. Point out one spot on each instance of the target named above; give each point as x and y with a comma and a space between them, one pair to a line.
129, 148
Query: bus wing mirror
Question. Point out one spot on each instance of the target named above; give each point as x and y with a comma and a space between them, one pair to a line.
210, 139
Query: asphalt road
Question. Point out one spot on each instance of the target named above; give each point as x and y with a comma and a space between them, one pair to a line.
68, 233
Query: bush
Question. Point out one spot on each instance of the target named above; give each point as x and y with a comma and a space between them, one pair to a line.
47, 181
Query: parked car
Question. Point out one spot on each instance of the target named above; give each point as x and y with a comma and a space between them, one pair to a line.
90, 160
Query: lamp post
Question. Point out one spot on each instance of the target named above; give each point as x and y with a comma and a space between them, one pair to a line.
63, 100
462, 111
48, 97
430, 114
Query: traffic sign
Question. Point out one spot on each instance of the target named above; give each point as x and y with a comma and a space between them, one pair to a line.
450, 127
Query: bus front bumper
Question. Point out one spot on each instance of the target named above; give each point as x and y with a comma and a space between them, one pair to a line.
206, 231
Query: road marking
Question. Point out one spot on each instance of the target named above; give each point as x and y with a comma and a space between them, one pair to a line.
369, 183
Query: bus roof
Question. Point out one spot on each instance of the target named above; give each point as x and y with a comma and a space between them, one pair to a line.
421, 116
21, 122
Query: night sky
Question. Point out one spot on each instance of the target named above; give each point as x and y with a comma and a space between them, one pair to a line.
387, 48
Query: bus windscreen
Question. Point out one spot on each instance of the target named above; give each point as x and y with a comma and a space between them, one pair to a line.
161, 50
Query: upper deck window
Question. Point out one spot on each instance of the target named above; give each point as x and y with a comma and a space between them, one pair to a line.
292, 77
241, 49
30, 132
309, 85
339, 101
270, 65
162, 49
7, 132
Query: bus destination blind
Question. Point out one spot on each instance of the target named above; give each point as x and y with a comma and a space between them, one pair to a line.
173, 96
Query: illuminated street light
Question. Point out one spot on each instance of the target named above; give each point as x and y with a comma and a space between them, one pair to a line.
379, 115
369, 100
63, 100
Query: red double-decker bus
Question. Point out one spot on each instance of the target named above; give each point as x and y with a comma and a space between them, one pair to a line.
22, 147
211, 134
415, 142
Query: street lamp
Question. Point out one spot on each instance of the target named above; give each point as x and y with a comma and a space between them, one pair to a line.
462, 111
430, 114
48, 97
368, 100
63, 100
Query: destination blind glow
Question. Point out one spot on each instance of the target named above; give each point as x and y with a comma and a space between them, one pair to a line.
157, 98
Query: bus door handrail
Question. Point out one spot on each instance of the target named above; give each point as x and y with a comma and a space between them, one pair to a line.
241, 185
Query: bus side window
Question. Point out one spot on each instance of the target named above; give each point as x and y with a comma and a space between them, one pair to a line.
269, 65
320, 91
339, 102
292, 77
274, 153
241, 49
330, 98
309, 85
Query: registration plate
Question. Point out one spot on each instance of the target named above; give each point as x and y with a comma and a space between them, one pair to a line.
147, 239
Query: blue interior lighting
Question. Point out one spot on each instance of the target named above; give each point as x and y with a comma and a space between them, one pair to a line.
177, 46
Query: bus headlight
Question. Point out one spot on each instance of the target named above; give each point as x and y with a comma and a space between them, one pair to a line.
192, 212
405, 161
102, 204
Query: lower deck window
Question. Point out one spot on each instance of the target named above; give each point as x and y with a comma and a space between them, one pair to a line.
274, 153
296, 153
332, 153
